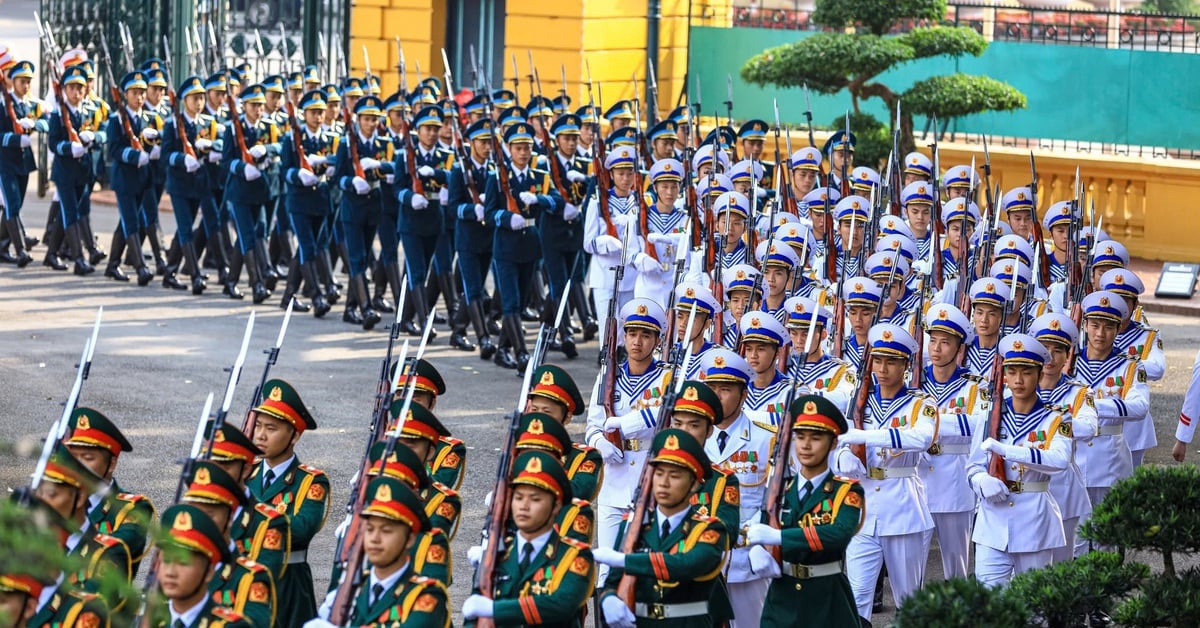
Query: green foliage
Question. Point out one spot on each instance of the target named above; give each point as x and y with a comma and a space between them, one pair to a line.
960, 94
1063, 592
1163, 601
934, 41
962, 602
1174, 7
1152, 510
877, 16
826, 62
874, 143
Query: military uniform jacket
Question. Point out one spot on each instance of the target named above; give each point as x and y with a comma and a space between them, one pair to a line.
246, 588
469, 234
979, 360
576, 521
1119, 387
125, 176
211, 616
668, 228
815, 531
1029, 520
237, 188
1143, 342
449, 462
550, 591
375, 147
1078, 424
641, 393
521, 245
263, 535
415, 601
679, 569
442, 506
125, 516
622, 211
961, 405
180, 182
66, 170
766, 405
585, 470
432, 219
900, 430
311, 200
558, 233
101, 556
747, 455
720, 496
14, 160
71, 608
301, 493
828, 377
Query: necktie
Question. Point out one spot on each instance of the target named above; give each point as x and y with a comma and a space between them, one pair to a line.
526, 556
376, 592
269, 478
178, 623
666, 528
722, 439
808, 487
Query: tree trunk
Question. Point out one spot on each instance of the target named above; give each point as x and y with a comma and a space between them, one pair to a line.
908, 142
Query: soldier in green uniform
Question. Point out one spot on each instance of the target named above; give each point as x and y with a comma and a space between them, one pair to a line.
554, 393
191, 546
679, 552
450, 454
97, 443
542, 577
245, 586
299, 491
19, 593
818, 518
392, 593
540, 432
424, 433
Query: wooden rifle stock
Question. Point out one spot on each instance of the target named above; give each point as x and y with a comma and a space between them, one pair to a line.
502, 177
553, 165
6, 88
410, 158
995, 462
859, 401
297, 137
603, 184
497, 521
352, 148
238, 133
134, 141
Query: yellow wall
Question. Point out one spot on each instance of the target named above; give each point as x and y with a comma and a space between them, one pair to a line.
375, 24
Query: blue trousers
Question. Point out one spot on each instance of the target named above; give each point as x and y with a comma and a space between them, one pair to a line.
250, 220
186, 210
560, 266
72, 199
359, 227
473, 265
513, 280
13, 187
308, 229
418, 251
130, 206
443, 254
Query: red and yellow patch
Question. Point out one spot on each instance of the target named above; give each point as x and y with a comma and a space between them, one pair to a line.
451, 460
258, 592
446, 510
733, 496
581, 525
426, 603
316, 492
88, 620
587, 467
437, 554
710, 536
273, 540
580, 566
853, 499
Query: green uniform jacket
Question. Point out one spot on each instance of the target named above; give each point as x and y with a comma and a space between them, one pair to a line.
102, 557
302, 493
720, 496
74, 608
576, 521
246, 588
550, 592
443, 506
680, 569
415, 602
126, 516
816, 532
449, 461
430, 558
213, 616
263, 535
585, 469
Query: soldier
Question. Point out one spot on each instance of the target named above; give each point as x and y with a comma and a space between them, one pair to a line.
244, 585
71, 170
817, 521
562, 232
131, 176
16, 155
664, 232
898, 427
917, 168
662, 138
962, 407
543, 577
988, 296
94, 441
1057, 223
19, 595
362, 202
741, 285
248, 192
426, 436
959, 217
860, 297
448, 457
1137, 339
917, 199
554, 394
732, 209
191, 548
392, 593
889, 269
805, 165
679, 553
778, 262
607, 250
472, 233
818, 203
516, 207
307, 200
764, 339
297, 490
817, 372
155, 112
188, 181
840, 150
958, 181
541, 432
622, 438
851, 214
1017, 204
1019, 524
693, 296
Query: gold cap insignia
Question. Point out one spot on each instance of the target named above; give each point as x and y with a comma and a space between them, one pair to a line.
810, 407
943, 315
824, 196
83, 423
183, 522
691, 394
1018, 345
1119, 279
535, 427
219, 437
1020, 196
962, 173
203, 476
384, 494
1054, 324
754, 322
276, 394
1008, 268
666, 167
547, 379
858, 287
719, 361
741, 274
799, 308
887, 261
887, 336
991, 287
792, 232
534, 465
920, 189
691, 292
1103, 301
854, 205
641, 309
672, 442
1108, 250
915, 161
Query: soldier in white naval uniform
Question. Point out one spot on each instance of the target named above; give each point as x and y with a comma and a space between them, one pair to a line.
763, 340
820, 374
1185, 430
1058, 333
666, 223
988, 295
640, 386
744, 447
898, 427
1019, 524
961, 405
693, 296
1139, 340
605, 248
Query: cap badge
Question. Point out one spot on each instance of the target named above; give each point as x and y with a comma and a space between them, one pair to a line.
719, 361
183, 522
887, 335
203, 476
535, 427
547, 379
276, 394
691, 394
810, 407
672, 442
83, 423
1018, 345
534, 465
384, 494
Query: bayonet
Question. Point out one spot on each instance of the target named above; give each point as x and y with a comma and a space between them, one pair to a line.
367, 61
400, 65
808, 116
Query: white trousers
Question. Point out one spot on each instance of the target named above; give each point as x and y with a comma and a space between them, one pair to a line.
608, 525
1138, 455
905, 556
747, 599
1095, 495
995, 567
954, 540
1071, 549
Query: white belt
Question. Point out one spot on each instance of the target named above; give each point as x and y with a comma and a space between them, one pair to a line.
888, 473
804, 572
531, 223
1028, 487
950, 449
670, 611
1110, 430
295, 557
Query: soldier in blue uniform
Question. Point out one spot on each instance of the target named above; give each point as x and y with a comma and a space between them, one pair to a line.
247, 190
155, 112
131, 176
472, 231
562, 232
16, 155
516, 245
362, 201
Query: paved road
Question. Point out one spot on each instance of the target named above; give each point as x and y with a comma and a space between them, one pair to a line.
160, 352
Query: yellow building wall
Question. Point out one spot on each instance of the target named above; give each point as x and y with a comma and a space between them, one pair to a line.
374, 26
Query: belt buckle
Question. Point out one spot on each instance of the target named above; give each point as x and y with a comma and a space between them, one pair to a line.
1016, 486
658, 611
802, 572
633, 444
877, 473
935, 449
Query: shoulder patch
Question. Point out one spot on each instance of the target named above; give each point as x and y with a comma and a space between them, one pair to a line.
722, 470
766, 426
104, 540
929, 411
845, 480
581, 566
710, 536
445, 490
853, 499
733, 495
316, 492
583, 448
450, 440
131, 497
1064, 428
426, 603
221, 612
576, 543
312, 470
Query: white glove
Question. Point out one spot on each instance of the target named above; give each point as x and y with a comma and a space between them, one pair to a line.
661, 238
853, 436
149, 134
516, 222
475, 555
306, 176
991, 488
762, 563
610, 557
763, 534
26, 141
645, 264
203, 144
478, 212
258, 151
848, 464
318, 623
419, 202
316, 161
214, 157
482, 198
369, 164
444, 196
617, 613
26, 124
340, 531
608, 245
143, 159
191, 164
41, 126
622, 220
610, 452
575, 176
528, 198
87, 137
361, 187
1002, 450
921, 267
760, 193
477, 606
571, 212
425, 171
156, 152
252, 172
389, 178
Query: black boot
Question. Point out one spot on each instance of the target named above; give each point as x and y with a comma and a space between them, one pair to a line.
420, 308
189, 254
117, 252
144, 274
450, 296
292, 287
432, 291
223, 253
324, 265
458, 326
156, 250
95, 253
358, 284
568, 338
579, 301
54, 239
75, 251
233, 276
350, 313
258, 290
308, 270
518, 339
17, 235
379, 301
475, 313
504, 354
266, 270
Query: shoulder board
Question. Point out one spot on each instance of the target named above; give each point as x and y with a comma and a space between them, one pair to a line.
267, 510
699, 518
1061, 409
538, 170
845, 480
978, 379
130, 497
311, 470
415, 579
251, 565
105, 540
445, 490
575, 501
1130, 357
450, 440
227, 614
722, 470
766, 426
919, 394
566, 540
583, 448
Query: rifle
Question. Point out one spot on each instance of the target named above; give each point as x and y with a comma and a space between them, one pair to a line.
126, 44
352, 144
995, 462
516, 80
681, 252
603, 176
839, 318
272, 357
785, 187
987, 182
235, 374
552, 163
918, 369
461, 153
639, 182
502, 174
729, 115
239, 133
935, 215
1038, 235
261, 53
845, 179
812, 139
402, 66
180, 120
297, 144
50, 56
861, 392
118, 102
608, 354
6, 88
367, 62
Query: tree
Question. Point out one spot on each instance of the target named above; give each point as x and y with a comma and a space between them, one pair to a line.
1062, 593
961, 602
1170, 7
845, 58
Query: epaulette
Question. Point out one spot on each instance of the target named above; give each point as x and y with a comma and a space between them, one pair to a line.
446, 490
538, 170
1131, 357
451, 440
575, 501
978, 379
422, 580
1075, 382
919, 394
577, 544
130, 497
704, 518
722, 470
766, 426
267, 510
251, 565
584, 448
107, 541
1061, 409
845, 479
312, 470
226, 614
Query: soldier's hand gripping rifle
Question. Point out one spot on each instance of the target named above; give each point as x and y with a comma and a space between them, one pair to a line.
608, 354
272, 358
118, 102
681, 255
235, 374
996, 416
1039, 237
858, 401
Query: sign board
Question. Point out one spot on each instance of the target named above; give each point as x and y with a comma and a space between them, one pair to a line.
1178, 281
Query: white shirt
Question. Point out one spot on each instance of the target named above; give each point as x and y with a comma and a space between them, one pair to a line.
816, 481
538, 543
278, 470
674, 520
388, 583
188, 617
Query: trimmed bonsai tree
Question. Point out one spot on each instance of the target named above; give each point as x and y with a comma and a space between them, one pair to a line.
962, 602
